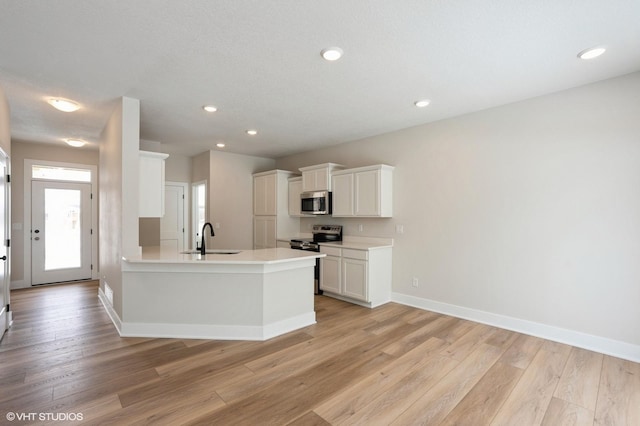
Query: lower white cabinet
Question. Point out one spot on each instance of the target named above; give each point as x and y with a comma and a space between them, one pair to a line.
330, 273
356, 275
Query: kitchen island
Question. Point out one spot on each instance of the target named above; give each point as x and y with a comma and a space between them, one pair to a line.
250, 295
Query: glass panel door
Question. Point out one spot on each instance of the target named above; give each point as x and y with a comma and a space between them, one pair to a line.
61, 232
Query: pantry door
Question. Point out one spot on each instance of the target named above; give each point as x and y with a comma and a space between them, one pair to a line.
60, 232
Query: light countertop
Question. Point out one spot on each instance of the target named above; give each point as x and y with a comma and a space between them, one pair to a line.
358, 245
247, 257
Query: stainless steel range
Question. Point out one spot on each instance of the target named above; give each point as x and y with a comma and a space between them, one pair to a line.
321, 234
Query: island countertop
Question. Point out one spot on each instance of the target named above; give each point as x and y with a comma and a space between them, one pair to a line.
246, 257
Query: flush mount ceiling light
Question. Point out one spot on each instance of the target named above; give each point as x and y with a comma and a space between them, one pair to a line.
252, 132
592, 52
220, 145
209, 108
63, 104
76, 143
331, 53
422, 103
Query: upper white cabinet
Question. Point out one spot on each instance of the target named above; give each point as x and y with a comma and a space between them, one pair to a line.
295, 189
151, 184
265, 194
342, 194
271, 208
318, 177
363, 192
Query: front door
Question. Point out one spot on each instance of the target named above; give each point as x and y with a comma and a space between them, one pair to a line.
61, 231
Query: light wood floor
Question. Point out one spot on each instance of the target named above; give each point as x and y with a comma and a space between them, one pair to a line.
390, 365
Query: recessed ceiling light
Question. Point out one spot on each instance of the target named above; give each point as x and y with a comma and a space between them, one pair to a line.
220, 145
331, 53
63, 104
422, 103
592, 52
209, 108
76, 143
252, 132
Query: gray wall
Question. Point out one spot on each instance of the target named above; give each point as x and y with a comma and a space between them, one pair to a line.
5, 128
529, 211
231, 197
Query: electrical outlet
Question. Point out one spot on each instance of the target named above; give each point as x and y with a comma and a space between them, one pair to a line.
399, 229
414, 282
360, 227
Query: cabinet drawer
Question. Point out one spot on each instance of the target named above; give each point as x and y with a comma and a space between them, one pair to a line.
331, 251
355, 254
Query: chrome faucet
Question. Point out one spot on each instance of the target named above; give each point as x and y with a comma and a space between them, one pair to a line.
203, 250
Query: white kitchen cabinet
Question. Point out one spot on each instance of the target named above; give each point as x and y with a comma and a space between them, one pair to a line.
295, 189
330, 277
361, 276
363, 192
265, 194
264, 232
354, 274
318, 177
151, 184
342, 194
271, 208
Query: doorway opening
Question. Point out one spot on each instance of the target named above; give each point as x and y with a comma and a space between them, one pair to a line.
198, 210
60, 222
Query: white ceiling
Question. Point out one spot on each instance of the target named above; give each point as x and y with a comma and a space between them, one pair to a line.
259, 62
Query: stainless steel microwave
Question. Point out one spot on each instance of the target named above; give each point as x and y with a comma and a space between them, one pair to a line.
315, 202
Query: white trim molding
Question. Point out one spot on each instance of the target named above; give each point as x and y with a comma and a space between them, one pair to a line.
590, 342
216, 332
115, 319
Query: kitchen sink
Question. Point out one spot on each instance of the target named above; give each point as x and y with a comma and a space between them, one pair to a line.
213, 251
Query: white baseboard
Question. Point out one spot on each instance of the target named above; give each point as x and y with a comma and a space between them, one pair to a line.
590, 342
217, 332
290, 324
19, 284
115, 319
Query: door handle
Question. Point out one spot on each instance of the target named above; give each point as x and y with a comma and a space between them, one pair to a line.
3, 258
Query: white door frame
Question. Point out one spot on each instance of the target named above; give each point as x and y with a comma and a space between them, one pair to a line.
185, 209
28, 163
7, 233
194, 211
